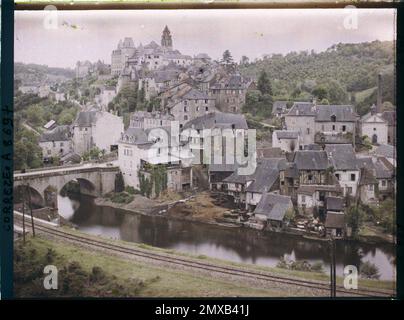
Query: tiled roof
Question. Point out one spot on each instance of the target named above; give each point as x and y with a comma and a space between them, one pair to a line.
334, 203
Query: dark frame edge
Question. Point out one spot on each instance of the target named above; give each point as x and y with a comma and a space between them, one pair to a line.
6, 140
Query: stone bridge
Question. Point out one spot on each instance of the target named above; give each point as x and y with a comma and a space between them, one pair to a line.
44, 185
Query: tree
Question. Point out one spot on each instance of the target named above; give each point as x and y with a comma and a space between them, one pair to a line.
264, 84
320, 92
119, 183
227, 57
244, 60
354, 218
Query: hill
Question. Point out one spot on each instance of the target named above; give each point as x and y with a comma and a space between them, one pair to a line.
344, 73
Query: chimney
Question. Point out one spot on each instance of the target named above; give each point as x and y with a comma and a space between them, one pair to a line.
379, 93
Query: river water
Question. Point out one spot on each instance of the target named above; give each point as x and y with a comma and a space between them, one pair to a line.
235, 244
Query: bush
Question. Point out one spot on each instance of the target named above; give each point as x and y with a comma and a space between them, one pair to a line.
302, 265
132, 190
122, 197
369, 270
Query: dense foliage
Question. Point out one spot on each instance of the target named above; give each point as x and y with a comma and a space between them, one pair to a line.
344, 73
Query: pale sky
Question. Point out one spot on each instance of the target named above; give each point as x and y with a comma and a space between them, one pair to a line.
92, 35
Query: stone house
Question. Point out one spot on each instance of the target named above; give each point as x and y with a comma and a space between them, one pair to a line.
211, 128
99, 129
343, 159
266, 179
286, 140
280, 108
272, 209
312, 198
190, 105
148, 120
107, 95
335, 124
335, 225
301, 118
229, 92
56, 143
368, 186
322, 123
387, 151
140, 150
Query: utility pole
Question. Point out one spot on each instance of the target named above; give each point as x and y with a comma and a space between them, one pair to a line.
23, 217
30, 208
333, 272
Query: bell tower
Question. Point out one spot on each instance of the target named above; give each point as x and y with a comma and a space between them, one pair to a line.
166, 39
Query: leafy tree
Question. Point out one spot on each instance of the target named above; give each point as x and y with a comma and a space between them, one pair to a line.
354, 218
227, 57
320, 92
264, 84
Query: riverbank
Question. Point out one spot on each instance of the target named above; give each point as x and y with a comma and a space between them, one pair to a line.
133, 276
202, 208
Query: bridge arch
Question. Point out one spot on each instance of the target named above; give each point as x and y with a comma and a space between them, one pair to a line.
37, 200
85, 186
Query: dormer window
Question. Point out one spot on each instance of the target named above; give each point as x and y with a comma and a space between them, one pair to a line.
333, 118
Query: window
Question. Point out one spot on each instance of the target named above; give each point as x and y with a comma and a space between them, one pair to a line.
370, 187
61, 144
185, 109
308, 130
383, 183
207, 109
343, 128
206, 101
353, 177
310, 177
197, 109
349, 190
333, 127
322, 127
303, 199
333, 118
185, 117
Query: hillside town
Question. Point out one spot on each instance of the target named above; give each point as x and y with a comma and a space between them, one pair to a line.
310, 174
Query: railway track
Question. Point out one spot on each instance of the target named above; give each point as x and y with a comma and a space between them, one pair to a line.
228, 270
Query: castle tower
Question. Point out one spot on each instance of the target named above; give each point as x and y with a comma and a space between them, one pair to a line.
166, 39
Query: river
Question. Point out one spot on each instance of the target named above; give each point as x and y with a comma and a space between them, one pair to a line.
234, 244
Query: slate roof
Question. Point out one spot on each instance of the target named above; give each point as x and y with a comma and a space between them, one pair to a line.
367, 177
302, 109
136, 136
86, 118
311, 160
195, 94
265, 175
335, 220
286, 134
234, 81
222, 167
59, 133
309, 189
386, 150
380, 167
138, 115
273, 206
334, 204
342, 156
343, 113
270, 153
217, 119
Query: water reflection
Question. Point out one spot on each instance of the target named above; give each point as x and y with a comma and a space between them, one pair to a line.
235, 244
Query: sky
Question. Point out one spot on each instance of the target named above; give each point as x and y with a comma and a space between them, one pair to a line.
61, 38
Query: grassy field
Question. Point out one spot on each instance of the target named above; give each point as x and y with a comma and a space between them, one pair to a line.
126, 277
131, 278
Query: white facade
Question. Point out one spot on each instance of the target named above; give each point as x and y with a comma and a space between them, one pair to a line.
348, 180
304, 125
103, 131
375, 128
290, 143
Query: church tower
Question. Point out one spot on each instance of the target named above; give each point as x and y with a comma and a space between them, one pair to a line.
166, 39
